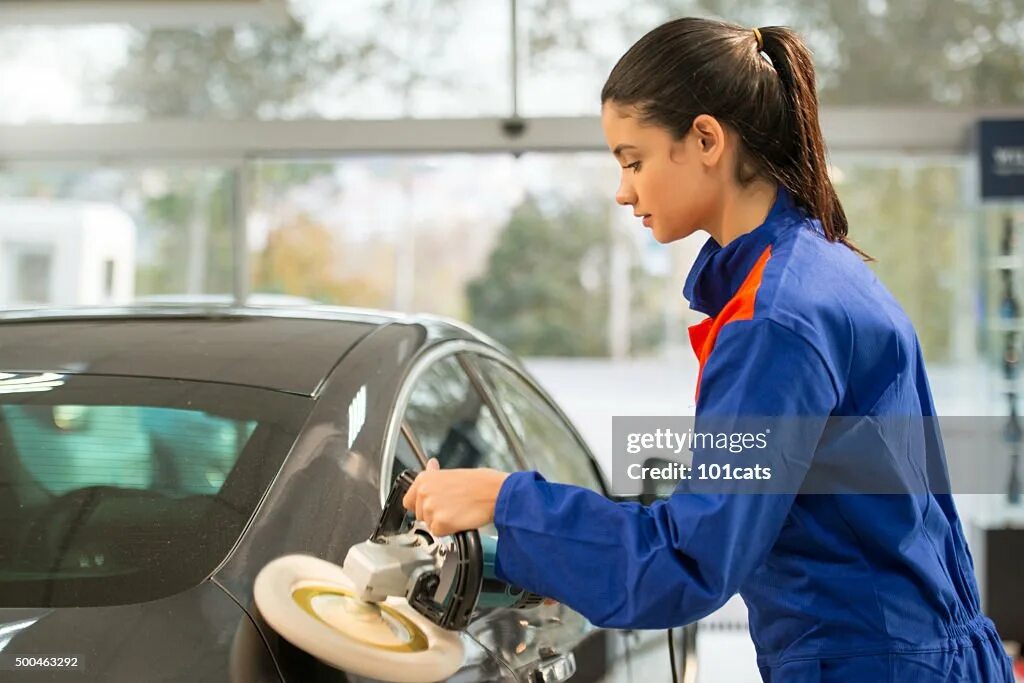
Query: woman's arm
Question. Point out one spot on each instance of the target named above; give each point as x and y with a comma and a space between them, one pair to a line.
629, 566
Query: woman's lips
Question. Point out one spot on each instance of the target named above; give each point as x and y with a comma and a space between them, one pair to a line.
647, 221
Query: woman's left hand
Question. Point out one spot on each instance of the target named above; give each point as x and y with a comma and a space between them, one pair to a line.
454, 500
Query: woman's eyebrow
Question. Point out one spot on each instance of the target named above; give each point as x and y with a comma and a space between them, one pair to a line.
618, 149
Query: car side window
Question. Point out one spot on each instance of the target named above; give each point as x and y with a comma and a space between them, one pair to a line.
548, 442
451, 421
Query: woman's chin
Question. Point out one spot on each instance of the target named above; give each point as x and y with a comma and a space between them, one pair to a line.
667, 235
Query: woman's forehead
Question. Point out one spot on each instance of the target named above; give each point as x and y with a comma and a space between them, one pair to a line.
624, 126
627, 115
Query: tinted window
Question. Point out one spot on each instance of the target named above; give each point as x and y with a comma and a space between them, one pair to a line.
548, 442
452, 423
173, 451
118, 490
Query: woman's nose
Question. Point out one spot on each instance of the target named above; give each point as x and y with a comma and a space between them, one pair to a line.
625, 195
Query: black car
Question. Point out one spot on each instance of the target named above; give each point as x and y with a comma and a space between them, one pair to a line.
153, 460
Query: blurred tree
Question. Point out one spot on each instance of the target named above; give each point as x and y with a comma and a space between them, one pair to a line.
948, 51
229, 72
297, 260
879, 52
537, 295
235, 73
244, 72
545, 291
185, 234
904, 214
272, 180
301, 259
271, 72
647, 311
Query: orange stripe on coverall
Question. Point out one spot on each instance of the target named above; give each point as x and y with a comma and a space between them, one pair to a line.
739, 307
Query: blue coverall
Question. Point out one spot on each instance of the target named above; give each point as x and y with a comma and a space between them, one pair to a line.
845, 587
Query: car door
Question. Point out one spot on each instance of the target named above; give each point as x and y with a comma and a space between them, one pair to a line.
548, 444
446, 417
551, 445
451, 417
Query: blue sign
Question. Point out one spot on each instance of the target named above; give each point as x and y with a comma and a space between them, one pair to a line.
1001, 151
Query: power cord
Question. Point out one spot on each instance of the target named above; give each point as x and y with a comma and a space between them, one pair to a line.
672, 656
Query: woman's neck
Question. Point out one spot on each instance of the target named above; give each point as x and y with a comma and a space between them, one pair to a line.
742, 210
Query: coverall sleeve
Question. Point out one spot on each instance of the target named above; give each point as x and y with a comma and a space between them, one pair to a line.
624, 565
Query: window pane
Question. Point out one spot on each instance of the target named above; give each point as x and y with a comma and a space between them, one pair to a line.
532, 250
549, 444
877, 52
909, 213
180, 452
122, 490
150, 232
354, 59
328, 232
453, 424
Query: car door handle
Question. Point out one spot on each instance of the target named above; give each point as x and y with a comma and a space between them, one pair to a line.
553, 669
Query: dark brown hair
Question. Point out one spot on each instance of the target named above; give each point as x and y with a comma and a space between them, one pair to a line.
687, 67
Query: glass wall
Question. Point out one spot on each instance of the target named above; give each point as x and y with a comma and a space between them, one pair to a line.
533, 250
452, 58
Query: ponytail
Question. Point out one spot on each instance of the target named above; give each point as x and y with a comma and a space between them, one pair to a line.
807, 176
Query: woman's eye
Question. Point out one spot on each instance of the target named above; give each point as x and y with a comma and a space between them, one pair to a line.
635, 166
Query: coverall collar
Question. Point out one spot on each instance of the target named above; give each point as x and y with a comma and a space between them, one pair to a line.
719, 271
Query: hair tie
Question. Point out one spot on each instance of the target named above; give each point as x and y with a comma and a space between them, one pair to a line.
760, 40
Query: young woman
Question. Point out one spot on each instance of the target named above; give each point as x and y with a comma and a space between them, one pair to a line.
716, 129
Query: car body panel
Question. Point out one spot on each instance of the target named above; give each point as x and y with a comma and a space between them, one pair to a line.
200, 634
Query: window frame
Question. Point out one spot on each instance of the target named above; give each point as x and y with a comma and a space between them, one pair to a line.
420, 366
414, 444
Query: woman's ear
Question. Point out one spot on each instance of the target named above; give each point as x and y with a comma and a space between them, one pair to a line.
710, 137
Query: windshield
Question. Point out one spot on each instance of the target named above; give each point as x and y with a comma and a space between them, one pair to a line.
116, 490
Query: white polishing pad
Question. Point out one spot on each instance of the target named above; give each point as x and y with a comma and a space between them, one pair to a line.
310, 603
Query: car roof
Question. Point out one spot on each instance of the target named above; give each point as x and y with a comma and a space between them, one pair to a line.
285, 349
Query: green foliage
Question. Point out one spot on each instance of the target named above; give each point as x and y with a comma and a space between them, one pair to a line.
877, 52
531, 296
193, 200
233, 72
905, 217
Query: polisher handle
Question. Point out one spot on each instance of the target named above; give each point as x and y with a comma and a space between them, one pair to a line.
455, 613
392, 518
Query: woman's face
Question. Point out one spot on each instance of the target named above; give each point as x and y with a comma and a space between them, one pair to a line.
674, 184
